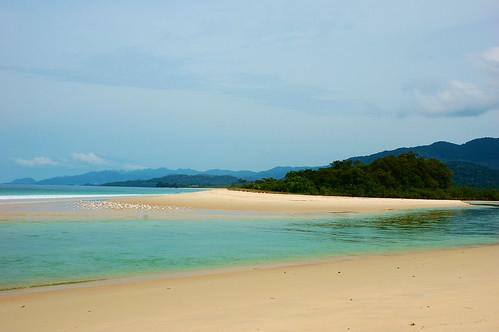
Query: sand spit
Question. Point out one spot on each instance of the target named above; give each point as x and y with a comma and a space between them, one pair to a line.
224, 199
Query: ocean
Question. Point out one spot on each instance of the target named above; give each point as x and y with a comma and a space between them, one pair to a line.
20, 191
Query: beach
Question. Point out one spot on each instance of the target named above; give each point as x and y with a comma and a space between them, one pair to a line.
224, 199
435, 290
228, 166
385, 271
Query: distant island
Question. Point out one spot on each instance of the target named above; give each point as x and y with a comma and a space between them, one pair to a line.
181, 181
406, 176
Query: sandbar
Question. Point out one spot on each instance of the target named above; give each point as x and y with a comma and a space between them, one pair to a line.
224, 199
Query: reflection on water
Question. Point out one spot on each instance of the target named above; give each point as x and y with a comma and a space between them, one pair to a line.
430, 220
42, 251
405, 227
399, 230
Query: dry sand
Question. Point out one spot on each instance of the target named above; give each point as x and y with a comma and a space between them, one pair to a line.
223, 199
438, 290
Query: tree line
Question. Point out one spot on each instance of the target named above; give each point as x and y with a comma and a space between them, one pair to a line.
405, 176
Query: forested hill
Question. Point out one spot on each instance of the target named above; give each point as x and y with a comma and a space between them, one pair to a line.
405, 175
469, 174
181, 181
481, 151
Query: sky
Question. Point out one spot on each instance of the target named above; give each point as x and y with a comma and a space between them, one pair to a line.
92, 85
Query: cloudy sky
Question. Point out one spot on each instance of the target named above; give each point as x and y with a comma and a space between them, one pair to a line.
88, 85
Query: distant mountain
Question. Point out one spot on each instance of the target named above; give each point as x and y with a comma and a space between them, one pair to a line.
101, 177
481, 151
280, 172
181, 181
24, 181
475, 163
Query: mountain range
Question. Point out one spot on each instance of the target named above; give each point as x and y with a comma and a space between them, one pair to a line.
480, 151
104, 177
474, 163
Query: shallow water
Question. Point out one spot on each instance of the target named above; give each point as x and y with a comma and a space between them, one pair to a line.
42, 252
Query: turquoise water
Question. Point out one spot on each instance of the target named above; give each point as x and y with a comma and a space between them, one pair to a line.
9, 191
41, 252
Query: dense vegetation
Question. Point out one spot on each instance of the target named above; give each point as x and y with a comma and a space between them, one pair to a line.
481, 151
180, 181
406, 175
473, 175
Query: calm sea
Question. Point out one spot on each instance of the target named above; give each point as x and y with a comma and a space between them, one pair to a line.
19, 191
44, 252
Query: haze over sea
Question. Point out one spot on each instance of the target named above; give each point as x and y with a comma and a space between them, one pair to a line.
38, 252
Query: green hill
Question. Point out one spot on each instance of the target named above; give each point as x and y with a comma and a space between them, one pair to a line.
406, 175
480, 151
181, 181
474, 163
469, 174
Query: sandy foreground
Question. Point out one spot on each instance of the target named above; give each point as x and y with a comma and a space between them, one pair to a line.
437, 290
224, 199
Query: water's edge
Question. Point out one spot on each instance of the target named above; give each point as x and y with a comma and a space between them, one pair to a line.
45, 253
153, 276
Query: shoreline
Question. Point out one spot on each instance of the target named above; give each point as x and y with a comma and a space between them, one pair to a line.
209, 204
236, 200
243, 267
434, 288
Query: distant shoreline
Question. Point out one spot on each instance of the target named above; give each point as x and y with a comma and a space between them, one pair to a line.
206, 204
238, 200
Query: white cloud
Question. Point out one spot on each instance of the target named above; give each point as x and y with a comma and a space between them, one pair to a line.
457, 99
89, 158
36, 161
491, 58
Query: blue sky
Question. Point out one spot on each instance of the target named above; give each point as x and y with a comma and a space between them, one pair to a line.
88, 85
